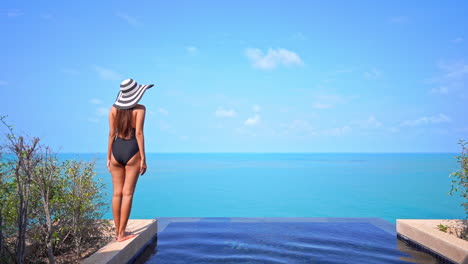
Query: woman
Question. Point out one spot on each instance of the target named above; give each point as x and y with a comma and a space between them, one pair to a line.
126, 158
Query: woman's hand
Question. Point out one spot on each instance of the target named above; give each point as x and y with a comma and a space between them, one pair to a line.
108, 165
142, 167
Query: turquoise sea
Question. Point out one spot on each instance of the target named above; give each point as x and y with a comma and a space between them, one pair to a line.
386, 185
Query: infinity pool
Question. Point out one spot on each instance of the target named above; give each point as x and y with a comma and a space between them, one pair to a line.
279, 240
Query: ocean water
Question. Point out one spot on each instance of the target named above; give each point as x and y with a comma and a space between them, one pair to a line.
386, 185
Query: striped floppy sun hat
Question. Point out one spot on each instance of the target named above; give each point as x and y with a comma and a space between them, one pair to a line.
130, 93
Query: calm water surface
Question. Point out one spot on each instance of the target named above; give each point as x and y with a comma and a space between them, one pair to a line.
279, 240
389, 186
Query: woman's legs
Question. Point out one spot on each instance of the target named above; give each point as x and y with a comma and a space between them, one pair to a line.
132, 171
118, 178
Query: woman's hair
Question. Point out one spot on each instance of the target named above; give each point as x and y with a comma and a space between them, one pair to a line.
124, 122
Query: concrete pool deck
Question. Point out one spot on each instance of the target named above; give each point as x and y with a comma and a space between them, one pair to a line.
125, 251
424, 233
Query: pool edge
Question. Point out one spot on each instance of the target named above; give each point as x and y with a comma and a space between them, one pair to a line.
126, 251
423, 234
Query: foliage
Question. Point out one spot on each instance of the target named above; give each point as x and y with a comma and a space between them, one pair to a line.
84, 201
442, 227
460, 181
48, 207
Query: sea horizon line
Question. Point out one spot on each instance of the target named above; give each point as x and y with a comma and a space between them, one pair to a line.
274, 152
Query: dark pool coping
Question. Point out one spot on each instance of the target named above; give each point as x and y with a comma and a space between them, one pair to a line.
440, 258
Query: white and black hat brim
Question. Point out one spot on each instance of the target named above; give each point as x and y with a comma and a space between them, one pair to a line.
130, 94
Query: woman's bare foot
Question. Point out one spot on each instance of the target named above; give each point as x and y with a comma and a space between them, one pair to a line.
125, 236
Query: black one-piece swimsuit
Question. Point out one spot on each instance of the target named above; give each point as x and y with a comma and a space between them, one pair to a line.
124, 149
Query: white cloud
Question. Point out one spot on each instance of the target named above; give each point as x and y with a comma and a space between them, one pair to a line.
457, 40
70, 71
163, 125
371, 122
163, 111
251, 121
129, 19
160, 110
325, 101
334, 98
398, 20
441, 131
300, 128
192, 50
439, 90
394, 129
285, 109
372, 74
440, 118
331, 76
14, 13
341, 71
3, 83
95, 101
221, 112
256, 108
454, 70
175, 92
322, 106
47, 16
452, 78
272, 58
299, 36
246, 131
339, 131
102, 111
107, 74
93, 120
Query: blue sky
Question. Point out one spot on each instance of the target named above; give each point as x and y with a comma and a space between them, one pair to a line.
243, 76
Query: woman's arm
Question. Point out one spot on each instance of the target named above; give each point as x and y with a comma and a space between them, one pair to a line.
140, 122
111, 134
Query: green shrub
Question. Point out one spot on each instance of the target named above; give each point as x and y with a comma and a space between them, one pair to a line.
47, 207
460, 182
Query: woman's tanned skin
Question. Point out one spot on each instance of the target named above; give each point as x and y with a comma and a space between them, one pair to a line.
124, 178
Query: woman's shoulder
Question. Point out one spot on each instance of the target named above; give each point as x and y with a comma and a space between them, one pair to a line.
139, 107
113, 109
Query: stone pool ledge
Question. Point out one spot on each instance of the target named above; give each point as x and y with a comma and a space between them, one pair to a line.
424, 233
125, 251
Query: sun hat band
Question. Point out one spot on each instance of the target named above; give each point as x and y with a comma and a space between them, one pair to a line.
130, 93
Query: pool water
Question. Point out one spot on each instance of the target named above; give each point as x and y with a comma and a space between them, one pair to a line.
279, 240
